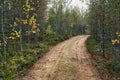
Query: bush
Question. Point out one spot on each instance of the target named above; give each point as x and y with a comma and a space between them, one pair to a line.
53, 39
92, 45
112, 66
18, 62
106, 66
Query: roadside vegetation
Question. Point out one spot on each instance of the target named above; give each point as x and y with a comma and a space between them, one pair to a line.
29, 28
103, 44
107, 66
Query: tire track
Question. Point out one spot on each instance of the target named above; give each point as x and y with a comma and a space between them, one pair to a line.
68, 60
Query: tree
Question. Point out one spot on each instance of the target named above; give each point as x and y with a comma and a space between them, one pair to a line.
104, 23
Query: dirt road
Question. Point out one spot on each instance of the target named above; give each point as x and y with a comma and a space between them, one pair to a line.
68, 60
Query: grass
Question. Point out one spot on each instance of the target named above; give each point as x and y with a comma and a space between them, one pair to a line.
107, 67
64, 69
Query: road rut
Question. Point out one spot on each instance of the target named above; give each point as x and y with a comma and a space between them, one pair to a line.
68, 60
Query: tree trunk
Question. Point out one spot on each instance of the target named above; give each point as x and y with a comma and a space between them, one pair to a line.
102, 28
2, 29
20, 25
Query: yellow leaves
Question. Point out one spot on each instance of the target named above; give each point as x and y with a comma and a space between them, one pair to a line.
28, 9
3, 43
113, 42
34, 26
116, 41
118, 34
17, 34
29, 20
33, 17
32, 8
27, 2
27, 6
11, 37
33, 31
14, 35
25, 22
48, 30
32, 22
27, 16
17, 19
15, 24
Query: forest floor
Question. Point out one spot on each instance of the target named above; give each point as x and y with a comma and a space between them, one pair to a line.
68, 60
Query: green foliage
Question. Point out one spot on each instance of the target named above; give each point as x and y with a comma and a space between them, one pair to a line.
103, 23
28, 30
21, 61
48, 30
112, 66
90, 42
69, 21
106, 66
54, 38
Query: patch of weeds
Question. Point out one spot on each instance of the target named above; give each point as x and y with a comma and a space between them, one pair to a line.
64, 69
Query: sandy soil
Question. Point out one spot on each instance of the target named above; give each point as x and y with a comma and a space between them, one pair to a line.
68, 60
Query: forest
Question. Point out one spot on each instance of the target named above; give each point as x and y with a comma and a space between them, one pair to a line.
30, 28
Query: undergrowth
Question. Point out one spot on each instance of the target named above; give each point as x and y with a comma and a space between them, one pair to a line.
107, 67
18, 62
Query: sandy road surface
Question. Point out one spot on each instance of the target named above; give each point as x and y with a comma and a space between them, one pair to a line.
68, 60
